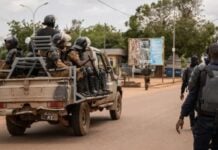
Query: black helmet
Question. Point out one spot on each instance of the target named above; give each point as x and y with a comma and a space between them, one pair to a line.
81, 43
194, 60
49, 20
58, 38
12, 41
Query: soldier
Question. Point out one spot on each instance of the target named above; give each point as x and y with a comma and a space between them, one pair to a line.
185, 80
202, 96
53, 58
49, 22
85, 75
11, 45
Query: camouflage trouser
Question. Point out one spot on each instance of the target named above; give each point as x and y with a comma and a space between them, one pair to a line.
3, 66
65, 73
62, 73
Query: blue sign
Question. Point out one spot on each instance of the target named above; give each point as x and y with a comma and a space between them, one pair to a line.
156, 51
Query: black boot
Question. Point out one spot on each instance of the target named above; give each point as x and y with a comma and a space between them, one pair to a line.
92, 86
103, 80
86, 91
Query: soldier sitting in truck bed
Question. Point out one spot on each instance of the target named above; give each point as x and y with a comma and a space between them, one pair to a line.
96, 73
53, 58
11, 44
75, 56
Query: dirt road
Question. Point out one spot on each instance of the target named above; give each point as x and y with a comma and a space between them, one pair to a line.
147, 123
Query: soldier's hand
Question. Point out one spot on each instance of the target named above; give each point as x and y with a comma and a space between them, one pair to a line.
182, 96
179, 125
92, 59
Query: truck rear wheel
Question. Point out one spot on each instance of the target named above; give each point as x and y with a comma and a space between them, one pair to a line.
14, 126
80, 119
116, 113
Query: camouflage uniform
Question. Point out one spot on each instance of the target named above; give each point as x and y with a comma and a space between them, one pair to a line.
54, 61
11, 45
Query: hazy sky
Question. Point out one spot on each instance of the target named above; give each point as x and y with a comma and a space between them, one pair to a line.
90, 10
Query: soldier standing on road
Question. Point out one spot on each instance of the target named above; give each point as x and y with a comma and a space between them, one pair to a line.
185, 80
146, 72
202, 96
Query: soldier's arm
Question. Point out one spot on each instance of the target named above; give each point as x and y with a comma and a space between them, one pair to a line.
55, 57
60, 64
184, 81
75, 58
10, 57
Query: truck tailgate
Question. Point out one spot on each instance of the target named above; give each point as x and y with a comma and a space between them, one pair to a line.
33, 90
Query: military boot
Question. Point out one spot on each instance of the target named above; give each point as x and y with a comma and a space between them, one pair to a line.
86, 90
92, 86
103, 81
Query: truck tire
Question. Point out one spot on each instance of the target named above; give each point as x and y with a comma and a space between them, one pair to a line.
14, 126
80, 119
116, 113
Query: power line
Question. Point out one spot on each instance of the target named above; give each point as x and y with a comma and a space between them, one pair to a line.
123, 13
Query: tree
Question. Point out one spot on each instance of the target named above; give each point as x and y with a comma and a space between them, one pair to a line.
193, 34
75, 29
22, 30
98, 34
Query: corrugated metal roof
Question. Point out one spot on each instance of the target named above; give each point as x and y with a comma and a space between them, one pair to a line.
116, 51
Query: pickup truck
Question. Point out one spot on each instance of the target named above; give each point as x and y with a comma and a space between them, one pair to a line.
28, 99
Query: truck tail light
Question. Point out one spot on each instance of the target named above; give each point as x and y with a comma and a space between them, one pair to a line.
2, 105
55, 104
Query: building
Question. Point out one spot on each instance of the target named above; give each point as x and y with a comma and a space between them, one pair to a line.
116, 57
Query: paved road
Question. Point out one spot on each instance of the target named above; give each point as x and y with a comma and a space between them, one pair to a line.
147, 123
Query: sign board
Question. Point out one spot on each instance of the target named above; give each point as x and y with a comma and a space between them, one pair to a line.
146, 51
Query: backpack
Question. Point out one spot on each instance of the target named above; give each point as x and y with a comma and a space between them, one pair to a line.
209, 93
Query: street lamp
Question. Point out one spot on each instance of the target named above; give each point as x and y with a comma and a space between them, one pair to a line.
174, 43
34, 13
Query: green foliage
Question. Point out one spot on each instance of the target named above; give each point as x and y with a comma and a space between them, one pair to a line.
97, 34
75, 29
156, 20
22, 30
3, 53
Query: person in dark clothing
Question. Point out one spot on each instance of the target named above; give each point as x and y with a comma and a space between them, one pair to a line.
49, 22
205, 130
11, 44
75, 56
185, 81
146, 72
54, 56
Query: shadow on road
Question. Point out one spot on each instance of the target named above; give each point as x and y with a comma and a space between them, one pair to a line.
44, 133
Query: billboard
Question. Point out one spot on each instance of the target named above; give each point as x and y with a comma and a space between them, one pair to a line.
146, 51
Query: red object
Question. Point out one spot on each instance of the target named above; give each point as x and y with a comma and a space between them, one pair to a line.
55, 104
2, 105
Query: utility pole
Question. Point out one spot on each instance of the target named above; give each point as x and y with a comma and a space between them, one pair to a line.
105, 36
174, 43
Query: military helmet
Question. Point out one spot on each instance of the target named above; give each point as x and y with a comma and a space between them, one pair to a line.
49, 20
58, 38
12, 41
82, 43
194, 60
